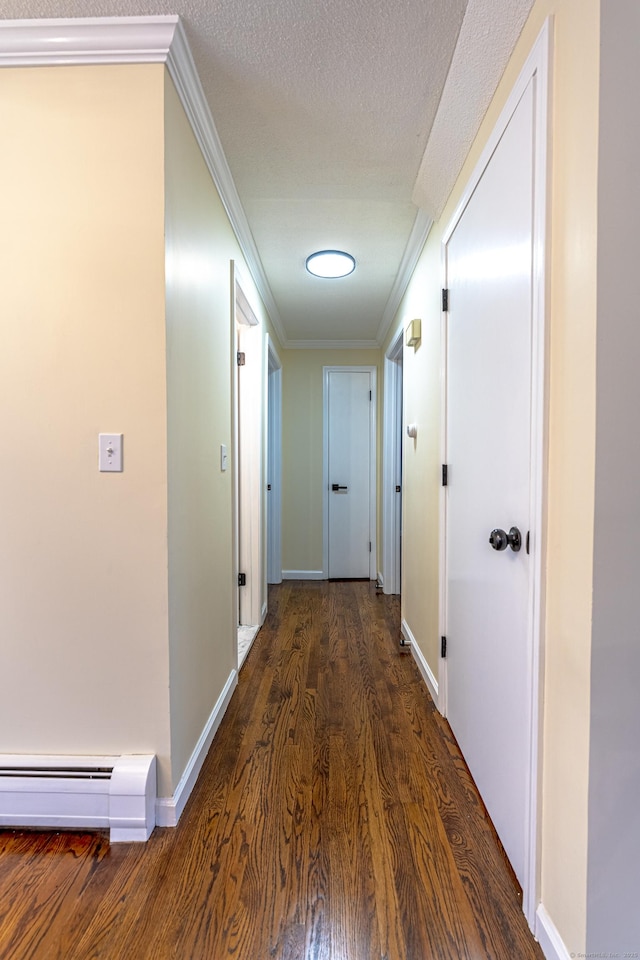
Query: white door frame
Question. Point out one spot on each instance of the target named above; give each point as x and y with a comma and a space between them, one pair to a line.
391, 528
325, 464
247, 500
273, 408
537, 68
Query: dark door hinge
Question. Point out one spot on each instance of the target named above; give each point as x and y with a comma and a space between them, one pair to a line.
398, 488
445, 474
268, 486
241, 358
242, 579
443, 647
369, 546
370, 396
445, 300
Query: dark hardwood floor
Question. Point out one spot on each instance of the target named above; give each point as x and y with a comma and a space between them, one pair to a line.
334, 819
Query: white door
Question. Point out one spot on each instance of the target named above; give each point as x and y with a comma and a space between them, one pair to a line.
397, 572
349, 462
489, 276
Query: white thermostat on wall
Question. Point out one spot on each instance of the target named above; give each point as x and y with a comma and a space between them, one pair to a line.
110, 452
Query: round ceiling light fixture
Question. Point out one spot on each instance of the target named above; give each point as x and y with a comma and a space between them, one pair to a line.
331, 264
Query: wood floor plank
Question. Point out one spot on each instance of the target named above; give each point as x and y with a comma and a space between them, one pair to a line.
334, 819
52, 874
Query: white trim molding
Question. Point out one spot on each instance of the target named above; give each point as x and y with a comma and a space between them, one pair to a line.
415, 245
184, 74
427, 673
169, 809
303, 575
551, 943
86, 40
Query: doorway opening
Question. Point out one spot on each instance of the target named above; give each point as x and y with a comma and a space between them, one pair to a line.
391, 573
248, 469
274, 464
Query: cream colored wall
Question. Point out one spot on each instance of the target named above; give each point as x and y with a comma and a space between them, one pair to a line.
570, 493
83, 557
421, 381
200, 245
302, 410
571, 468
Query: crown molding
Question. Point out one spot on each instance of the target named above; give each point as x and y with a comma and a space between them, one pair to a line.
158, 39
182, 71
86, 40
415, 244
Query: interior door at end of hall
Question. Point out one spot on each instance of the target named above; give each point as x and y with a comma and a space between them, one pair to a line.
349, 470
489, 259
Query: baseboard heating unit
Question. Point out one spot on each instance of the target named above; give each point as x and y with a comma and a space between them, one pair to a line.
118, 793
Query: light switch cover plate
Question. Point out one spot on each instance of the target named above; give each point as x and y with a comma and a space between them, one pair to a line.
110, 452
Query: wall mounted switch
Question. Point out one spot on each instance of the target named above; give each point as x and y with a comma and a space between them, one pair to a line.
110, 452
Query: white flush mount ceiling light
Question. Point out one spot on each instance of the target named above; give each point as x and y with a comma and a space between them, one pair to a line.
331, 264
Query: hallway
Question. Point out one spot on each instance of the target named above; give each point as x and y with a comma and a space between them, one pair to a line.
334, 819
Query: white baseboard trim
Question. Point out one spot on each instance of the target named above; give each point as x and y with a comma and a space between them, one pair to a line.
169, 809
380, 579
424, 668
80, 792
303, 575
263, 614
551, 943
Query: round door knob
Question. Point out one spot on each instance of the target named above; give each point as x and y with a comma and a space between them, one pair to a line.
515, 539
499, 539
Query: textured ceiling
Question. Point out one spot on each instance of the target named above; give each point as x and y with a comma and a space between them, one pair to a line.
487, 37
324, 110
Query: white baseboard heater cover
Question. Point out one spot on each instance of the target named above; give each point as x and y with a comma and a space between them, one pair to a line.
118, 793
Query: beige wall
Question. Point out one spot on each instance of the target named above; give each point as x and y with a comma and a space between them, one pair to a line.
570, 491
302, 449
118, 601
202, 623
421, 381
83, 558
200, 245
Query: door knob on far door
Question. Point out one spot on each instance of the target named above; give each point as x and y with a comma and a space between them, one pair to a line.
338, 486
500, 540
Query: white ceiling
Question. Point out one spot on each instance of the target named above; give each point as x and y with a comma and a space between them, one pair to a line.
337, 118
